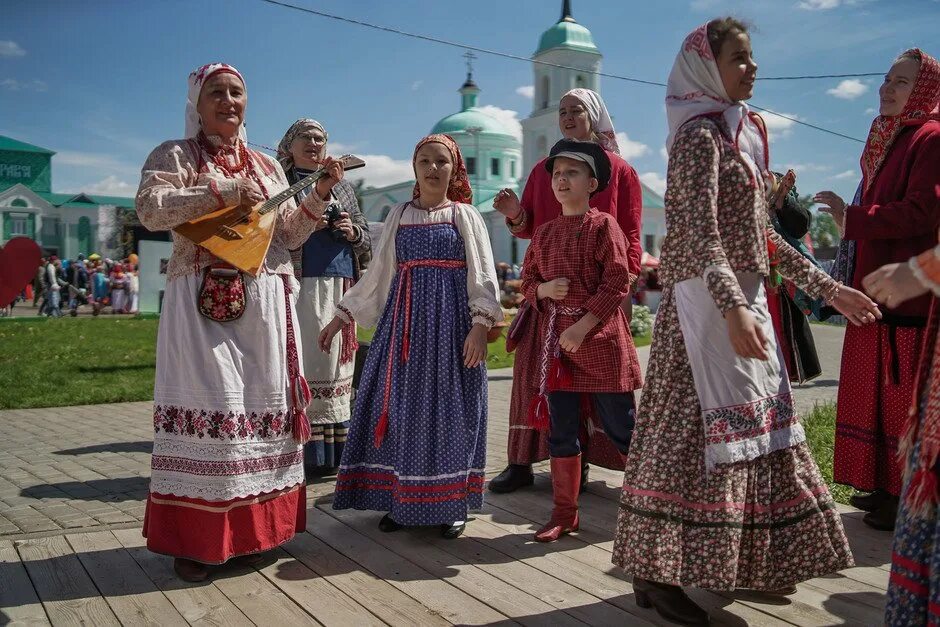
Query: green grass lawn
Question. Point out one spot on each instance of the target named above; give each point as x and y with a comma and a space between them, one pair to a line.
820, 427
49, 362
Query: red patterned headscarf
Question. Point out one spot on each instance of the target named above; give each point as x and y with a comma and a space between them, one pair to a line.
921, 106
458, 189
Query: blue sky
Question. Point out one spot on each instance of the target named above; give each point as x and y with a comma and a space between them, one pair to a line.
104, 81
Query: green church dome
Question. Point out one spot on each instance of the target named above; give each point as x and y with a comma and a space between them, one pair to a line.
469, 118
567, 34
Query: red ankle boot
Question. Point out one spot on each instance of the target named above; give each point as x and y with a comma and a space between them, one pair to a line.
566, 481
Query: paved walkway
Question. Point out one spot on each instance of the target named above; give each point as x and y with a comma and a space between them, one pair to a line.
69, 468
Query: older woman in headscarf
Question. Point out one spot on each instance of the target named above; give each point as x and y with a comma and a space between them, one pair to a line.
327, 265
227, 474
582, 115
721, 490
894, 217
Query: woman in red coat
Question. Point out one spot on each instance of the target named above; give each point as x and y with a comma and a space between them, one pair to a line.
582, 115
895, 218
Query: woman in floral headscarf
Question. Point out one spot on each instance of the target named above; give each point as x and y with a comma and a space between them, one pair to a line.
720, 489
227, 475
582, 115
327, 265
417, 441
895, 217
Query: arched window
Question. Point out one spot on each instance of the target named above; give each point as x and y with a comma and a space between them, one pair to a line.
19, 202
542, 146
579, 81
385, 211
544, 92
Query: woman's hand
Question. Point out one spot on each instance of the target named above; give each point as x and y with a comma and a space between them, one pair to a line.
855, 306
334, 174
345, 225
507, 203
556, 289
474, 347
835, 207
249, 194
571, 338
329, 332
746, 333
893, 284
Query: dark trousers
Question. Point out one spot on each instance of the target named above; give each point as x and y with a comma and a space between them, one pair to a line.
617, 411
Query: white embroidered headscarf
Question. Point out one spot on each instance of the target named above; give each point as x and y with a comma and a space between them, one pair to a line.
601, 123
197, 79
695, 89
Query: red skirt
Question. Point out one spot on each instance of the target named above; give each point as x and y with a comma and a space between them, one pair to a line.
528, 445
876, 389
212, 532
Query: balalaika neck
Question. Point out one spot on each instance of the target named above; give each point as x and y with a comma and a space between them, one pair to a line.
276, 200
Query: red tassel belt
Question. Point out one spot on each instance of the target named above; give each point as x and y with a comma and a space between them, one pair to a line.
552, 373
404, 297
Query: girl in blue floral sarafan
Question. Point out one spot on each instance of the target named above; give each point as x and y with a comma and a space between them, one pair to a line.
417, 442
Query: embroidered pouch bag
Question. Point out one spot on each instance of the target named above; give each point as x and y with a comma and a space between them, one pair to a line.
222, 294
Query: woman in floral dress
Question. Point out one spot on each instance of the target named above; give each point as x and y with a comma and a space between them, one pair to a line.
720, 489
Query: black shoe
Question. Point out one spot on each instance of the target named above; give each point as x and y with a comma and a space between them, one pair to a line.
670, 602
869, 502
514, 476
451, 532
884, 517
388, 525
585, 469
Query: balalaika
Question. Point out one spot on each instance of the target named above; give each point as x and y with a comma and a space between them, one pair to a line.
241, 235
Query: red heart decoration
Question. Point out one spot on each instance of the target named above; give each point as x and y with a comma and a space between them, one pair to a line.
19, 260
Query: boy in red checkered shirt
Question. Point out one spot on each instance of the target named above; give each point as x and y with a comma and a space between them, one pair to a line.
575, 275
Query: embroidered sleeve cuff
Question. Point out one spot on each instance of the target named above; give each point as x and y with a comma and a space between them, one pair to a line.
225, 191
519, 226
344, 314
926, 267
480, 316
313, 206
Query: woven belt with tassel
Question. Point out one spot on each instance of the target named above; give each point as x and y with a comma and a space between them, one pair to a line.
404, 298
552, 372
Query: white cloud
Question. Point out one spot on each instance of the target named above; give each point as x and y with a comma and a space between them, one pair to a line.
654, 181
526, 91
415, 86
779, 127
508, 117
872, 110
803, 168
89, 160
12, 84
110, 186
664, 153
630, 149
818, 5
848, 174
382, 170
849, 89
11, 49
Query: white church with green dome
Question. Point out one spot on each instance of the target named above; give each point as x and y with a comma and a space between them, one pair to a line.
495, 159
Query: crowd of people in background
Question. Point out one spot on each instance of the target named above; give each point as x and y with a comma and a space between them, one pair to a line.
63, 286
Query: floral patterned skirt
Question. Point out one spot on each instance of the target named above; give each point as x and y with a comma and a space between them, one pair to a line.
762, 524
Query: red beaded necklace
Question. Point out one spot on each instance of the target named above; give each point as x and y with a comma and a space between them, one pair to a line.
245, 162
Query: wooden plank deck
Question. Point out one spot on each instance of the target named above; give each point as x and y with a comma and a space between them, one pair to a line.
344, 571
